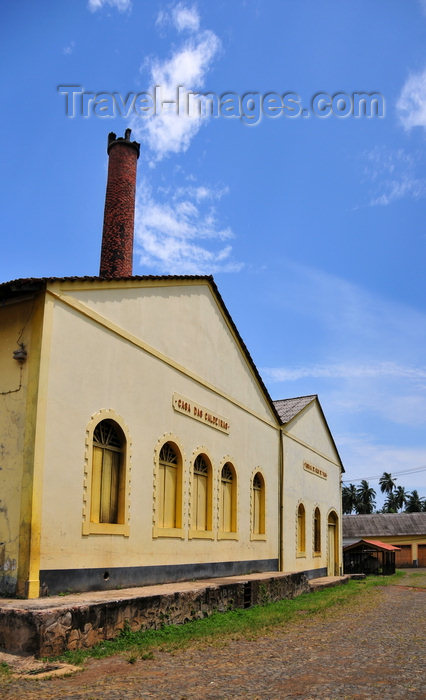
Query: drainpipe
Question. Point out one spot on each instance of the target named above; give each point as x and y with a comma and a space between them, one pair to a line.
281, 502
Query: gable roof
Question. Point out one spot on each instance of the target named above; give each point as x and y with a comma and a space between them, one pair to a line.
31, 285
375, 543
287, 409
382, 545
384, 524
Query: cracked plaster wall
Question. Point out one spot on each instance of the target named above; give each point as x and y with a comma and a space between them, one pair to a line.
14, 328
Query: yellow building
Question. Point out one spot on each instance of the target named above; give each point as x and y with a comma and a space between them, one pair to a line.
407, 531
139, 444
311, 491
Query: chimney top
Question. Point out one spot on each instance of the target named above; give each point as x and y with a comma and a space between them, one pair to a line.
112, 140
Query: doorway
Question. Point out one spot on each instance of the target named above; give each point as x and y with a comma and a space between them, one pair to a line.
332, 559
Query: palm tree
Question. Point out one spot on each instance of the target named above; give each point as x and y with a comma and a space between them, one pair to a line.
414, 503
349, 499
365, 498
401, 496
391, 504
387, 484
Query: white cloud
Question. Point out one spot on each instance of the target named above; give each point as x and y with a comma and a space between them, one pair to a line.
355, 320
393, 393
197, 192
400, 403
186, 18
67, 50
365, 458
167, 131
120, 5
411, 104
346, 371
169, 230
177, 229
406, 187
182, 17
370, 359
392, 174
367, 365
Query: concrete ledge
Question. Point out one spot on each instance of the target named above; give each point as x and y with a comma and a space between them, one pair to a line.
316, 584
50, 626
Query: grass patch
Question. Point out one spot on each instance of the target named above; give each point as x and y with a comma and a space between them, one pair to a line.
234, 624
416, 579
4, 669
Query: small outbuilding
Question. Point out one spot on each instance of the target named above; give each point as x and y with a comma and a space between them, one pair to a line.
407, 531
369, 557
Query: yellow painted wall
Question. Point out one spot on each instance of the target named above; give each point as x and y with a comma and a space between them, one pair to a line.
309, 426
15, 326
92, 368
182, 322
312, 445
124, 354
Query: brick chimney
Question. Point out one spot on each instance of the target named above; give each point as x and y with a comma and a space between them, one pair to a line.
119, 214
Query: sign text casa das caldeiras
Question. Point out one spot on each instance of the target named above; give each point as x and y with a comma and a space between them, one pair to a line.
204, 415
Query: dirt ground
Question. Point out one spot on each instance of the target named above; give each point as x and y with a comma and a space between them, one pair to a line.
375, 648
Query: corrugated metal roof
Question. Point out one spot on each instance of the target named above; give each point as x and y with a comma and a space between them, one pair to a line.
349, 540
384, 524
288, 408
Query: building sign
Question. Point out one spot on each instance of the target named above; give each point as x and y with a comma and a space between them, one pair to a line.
204, 415
315, 470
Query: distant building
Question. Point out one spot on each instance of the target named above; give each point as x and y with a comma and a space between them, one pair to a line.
138, 442
369, 557
404, 530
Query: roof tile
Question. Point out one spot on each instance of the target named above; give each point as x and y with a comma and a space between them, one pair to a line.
288, 408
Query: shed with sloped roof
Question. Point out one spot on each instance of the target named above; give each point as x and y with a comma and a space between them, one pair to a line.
407, 531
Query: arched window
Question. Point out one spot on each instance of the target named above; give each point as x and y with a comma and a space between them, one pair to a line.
258, 500
202, 494
317, 531
301, 529
108, 473
228, 499
169, 487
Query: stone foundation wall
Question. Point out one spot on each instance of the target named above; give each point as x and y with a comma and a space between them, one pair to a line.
51, 630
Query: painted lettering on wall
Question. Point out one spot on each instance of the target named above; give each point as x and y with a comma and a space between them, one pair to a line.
315, 470
204, 415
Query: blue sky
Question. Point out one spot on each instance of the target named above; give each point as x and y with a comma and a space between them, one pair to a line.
314, 227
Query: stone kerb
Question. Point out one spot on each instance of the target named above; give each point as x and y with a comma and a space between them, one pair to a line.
53, 630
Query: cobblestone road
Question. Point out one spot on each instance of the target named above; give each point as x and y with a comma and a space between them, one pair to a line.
375, 648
